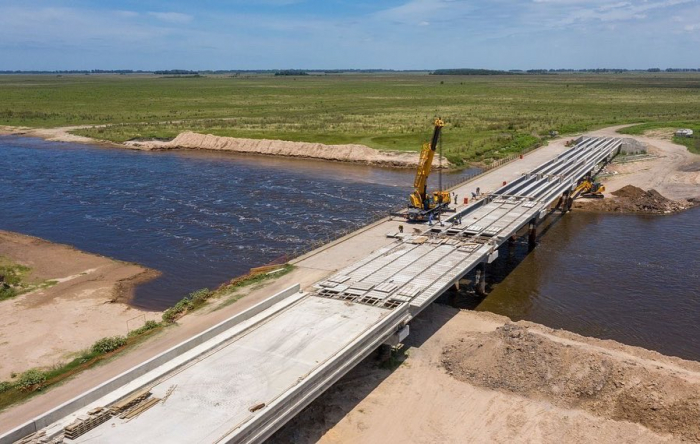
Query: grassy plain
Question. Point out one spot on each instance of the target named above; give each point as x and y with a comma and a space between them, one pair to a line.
488, 116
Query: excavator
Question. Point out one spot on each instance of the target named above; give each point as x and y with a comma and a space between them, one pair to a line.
589, 189
421, 204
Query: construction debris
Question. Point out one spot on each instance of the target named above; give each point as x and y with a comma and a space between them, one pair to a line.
170, 391
140, 408
85, 423
257, 407
130, 401
33, 438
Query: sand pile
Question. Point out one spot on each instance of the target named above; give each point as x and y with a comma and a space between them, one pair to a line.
514, 359
342, 153
631, 199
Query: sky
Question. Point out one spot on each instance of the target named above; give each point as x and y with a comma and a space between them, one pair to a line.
342, 34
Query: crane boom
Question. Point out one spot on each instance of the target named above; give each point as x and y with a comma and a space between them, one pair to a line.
419, 197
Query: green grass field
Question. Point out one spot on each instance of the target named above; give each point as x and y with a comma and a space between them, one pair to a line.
487, 116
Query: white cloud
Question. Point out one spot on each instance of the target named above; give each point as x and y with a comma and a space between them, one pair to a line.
423, 34
172, 17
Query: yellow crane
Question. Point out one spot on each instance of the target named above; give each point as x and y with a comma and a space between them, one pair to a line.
421, 204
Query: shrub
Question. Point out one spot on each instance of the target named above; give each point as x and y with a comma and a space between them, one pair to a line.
7, 293
5, 386
106, 345
31, 380
149, 325
199, 297
170, 315
189, 302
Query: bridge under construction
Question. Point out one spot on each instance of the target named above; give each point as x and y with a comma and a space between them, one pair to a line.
243, 379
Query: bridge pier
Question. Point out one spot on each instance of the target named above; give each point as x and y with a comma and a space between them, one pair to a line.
569, 203
480, 279
563, 202
532, 236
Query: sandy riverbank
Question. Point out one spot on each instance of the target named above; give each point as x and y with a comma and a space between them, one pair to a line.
61, 134
673, 171
670, 171
43, 327
353, 153
421, 401
476, 377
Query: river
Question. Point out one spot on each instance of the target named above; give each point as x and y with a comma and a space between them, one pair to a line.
635, 279
202, 218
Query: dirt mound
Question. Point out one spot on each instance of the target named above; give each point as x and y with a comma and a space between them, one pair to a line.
344, 153
630, 192
516, 360
631, 199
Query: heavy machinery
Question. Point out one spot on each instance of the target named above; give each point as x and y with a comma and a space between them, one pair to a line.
422, 205
589, 189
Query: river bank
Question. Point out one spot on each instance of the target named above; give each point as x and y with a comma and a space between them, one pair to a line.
309, 268
467, 376
664, 182
328, 259
86, 301
349, 153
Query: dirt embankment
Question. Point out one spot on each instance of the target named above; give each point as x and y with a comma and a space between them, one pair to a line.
531, 364
82, 301
189, 140
671, 170
342, 153
477, 377
631, 199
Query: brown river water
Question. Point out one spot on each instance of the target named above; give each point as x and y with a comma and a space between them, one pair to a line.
203, 218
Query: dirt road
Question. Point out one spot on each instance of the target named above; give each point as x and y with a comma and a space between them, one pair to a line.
675, 172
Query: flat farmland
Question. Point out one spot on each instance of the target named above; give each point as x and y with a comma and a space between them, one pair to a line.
488, 116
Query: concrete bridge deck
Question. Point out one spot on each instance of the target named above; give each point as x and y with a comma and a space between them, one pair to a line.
244, 383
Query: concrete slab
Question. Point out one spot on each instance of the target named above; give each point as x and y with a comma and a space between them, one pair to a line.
215, 394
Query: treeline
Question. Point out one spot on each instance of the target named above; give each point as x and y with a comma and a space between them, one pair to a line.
209, 71
291, 72
79, 71
176, 72
302, 72
491, 72
470, 72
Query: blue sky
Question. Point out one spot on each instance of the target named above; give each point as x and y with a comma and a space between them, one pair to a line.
391, 34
